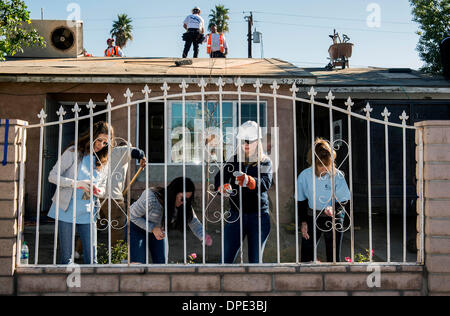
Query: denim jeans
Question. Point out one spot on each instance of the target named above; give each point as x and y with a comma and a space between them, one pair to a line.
138, 249
324, 223
65, 241
250, 228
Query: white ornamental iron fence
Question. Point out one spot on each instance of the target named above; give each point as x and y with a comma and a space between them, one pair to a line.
221, 215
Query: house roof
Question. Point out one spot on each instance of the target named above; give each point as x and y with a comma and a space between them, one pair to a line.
374, 76
158, 70
119, 69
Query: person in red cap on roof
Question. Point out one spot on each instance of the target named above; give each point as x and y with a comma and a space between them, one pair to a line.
112, 51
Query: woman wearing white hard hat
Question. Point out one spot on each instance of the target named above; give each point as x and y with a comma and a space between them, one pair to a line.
244, 174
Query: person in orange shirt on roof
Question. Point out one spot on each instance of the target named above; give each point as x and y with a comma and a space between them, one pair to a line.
216, 43
112, 51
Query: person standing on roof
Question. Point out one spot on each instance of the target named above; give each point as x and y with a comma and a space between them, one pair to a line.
195, 27
112, 51
216, 43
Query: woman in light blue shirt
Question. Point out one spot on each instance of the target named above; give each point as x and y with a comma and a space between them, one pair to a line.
85, 220
323, 197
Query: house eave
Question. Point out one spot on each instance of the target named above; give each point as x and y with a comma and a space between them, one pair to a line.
378, 89
110, 79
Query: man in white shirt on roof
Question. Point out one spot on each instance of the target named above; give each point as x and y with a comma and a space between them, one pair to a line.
216, 43
195, 27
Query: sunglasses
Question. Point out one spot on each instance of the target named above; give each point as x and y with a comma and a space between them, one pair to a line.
248, 142
103, 143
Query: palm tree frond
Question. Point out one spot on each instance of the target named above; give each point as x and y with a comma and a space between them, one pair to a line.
122, 30
220, 17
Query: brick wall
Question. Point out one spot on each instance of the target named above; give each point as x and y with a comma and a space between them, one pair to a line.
232, 281
431, 279
9, 186
436, 139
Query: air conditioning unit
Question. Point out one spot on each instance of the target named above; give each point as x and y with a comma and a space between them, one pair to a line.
64, 39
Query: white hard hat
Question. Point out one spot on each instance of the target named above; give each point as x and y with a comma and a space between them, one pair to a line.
249, 131
196, 8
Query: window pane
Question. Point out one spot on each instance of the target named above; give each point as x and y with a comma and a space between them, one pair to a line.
155, 131
192, 133
249, 113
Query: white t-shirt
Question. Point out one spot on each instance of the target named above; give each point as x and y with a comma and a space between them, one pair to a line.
215, 42
194, 21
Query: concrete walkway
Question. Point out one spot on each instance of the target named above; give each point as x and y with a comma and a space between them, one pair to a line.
287, 242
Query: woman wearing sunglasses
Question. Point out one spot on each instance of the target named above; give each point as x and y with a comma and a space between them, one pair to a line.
241, 175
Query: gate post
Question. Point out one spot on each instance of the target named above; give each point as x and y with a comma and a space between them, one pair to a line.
436, 204
11, 138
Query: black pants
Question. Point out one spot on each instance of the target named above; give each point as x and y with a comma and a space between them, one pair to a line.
192, 37
324, 223
217, 54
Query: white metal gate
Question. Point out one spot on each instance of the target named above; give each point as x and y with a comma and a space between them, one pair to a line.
221, 215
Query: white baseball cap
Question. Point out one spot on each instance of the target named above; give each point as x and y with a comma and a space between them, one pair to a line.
249, 131
196, 8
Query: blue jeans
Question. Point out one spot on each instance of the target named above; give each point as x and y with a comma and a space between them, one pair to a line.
137, 246
65, 241
250, 228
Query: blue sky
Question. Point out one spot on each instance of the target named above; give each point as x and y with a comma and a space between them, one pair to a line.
293, 30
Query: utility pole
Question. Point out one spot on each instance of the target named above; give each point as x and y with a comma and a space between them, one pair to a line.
249, 20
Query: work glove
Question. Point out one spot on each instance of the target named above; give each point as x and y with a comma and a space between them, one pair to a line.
84, 185
329, 211
244, 180
225, 190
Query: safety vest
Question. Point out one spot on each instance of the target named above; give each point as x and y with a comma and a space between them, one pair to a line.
109, 53
208, 48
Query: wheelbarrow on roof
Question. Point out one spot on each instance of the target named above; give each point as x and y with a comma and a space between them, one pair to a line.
339, 52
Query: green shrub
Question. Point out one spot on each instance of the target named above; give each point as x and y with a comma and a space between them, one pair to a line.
119, 253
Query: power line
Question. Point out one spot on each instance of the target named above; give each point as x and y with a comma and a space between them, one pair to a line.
333, 27
147, 17
327, 18
138, 18
147, 27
